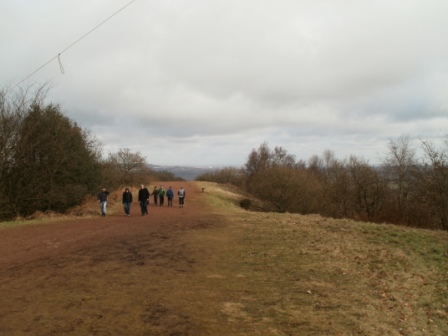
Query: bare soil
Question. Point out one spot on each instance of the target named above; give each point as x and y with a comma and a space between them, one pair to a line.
111, 275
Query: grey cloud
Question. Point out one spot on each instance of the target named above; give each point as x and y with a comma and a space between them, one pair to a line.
196, 76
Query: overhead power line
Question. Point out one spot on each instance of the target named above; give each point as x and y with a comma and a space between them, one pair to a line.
58, 56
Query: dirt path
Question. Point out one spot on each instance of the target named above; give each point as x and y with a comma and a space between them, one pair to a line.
31, 242
112, 275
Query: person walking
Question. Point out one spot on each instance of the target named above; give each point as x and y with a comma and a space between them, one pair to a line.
170, 196
143, 198
155, 193
162, 192
102, 200
181, 193
127, 201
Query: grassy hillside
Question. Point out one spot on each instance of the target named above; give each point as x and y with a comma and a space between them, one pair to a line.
214, 269
307, 275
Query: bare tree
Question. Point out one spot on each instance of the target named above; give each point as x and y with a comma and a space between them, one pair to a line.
338, 198
368, 189
432, 183
125, 168
280, 157
258, 160
397, 167
316, 164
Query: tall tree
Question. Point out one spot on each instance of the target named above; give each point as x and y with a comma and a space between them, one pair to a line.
258, 160
397, 167
432, 184
368, 189
48, 161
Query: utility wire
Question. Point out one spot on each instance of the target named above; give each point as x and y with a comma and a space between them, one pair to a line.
58, 56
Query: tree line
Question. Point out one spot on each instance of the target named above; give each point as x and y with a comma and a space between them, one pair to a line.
49, 163
404, 189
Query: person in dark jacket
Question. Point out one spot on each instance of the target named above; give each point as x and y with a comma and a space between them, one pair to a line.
143, 198
155, 192
127, 201
161, 195
170, 196
102, 200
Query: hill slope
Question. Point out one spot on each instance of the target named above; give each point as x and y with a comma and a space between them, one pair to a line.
212, 268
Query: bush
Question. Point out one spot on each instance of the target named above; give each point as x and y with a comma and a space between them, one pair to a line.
287, 189
48, 164
227, 175
245, 203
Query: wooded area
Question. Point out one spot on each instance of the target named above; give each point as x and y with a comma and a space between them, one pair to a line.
404, 189
49, 163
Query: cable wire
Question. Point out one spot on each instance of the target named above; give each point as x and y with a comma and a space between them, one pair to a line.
58, 56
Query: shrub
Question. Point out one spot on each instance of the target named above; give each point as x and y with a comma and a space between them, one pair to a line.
245, 203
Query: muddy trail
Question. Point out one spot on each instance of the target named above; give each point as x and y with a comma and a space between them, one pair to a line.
114, 275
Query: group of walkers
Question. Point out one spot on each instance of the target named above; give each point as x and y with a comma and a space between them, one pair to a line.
159, 195
144, 195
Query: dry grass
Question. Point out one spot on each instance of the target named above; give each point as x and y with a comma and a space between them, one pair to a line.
309, 275
88, 208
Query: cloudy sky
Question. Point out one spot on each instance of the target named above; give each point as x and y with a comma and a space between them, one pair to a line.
203, 82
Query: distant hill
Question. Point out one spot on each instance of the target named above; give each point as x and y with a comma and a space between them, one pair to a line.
186, 172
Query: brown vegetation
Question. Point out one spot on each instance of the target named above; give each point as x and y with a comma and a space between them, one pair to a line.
403, 190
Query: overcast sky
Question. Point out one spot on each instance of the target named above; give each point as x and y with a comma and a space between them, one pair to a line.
203, 82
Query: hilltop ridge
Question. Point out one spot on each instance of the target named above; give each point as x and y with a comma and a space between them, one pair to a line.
188, 173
